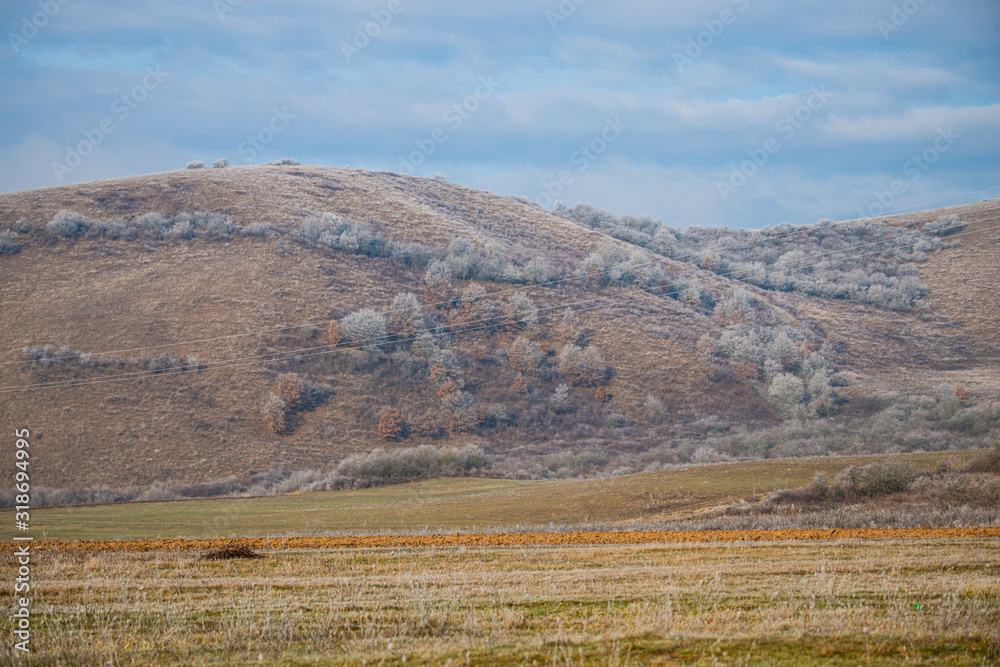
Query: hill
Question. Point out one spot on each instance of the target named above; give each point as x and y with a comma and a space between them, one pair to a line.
174, 328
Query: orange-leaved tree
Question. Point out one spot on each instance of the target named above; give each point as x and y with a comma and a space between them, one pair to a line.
390, 424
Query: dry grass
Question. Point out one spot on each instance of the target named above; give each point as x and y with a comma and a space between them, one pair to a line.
840, 602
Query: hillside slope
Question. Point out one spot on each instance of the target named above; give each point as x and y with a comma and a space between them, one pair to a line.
236, 295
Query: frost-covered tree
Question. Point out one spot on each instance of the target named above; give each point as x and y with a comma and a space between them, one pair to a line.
365, 328
787, 393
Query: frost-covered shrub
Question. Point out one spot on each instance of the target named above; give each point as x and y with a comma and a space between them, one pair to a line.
332, 231
737, 307
523, 356
741, 345
325, 230
560, 395
787, 392
704, 454
654, 408
463, 262
782, 355
524, 310
406, 316
413, 463
944, 226
195, 164
867, 261
366, 327
876, 479
8, 243
219, 227
67, 224
261, 230
414, 255
360, 240
152, 225
161, 363
537, 271
610, 265
221, 162
42, 355
438, 273
583, 367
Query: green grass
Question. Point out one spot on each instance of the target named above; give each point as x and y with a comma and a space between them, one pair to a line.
451, 504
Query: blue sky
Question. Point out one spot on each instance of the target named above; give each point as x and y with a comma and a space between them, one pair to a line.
724, 112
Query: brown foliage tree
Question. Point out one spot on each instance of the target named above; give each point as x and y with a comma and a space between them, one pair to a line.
275, 413
449, 387
746, 369
425, 426
961, 396
477, 352
602, 394
290, 390
508, 318
390, 424
462, 420
475, 309
335, 333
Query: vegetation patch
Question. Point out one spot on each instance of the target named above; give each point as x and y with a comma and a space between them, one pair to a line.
868, 261
236, 550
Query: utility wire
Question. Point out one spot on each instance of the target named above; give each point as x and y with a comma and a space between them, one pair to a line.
326, 349
804, 229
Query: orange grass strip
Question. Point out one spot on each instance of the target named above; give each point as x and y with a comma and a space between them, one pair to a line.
520, 539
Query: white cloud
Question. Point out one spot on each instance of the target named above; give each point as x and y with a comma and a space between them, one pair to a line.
918, 124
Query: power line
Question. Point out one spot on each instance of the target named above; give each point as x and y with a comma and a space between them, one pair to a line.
900, 211
326, 349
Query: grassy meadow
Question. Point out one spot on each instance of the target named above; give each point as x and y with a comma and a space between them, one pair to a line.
931, 602
454, 504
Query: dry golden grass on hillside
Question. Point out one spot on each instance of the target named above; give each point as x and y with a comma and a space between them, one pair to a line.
204, 427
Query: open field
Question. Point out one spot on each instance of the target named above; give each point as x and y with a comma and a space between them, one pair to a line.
521, 539
928, 601
455, 504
